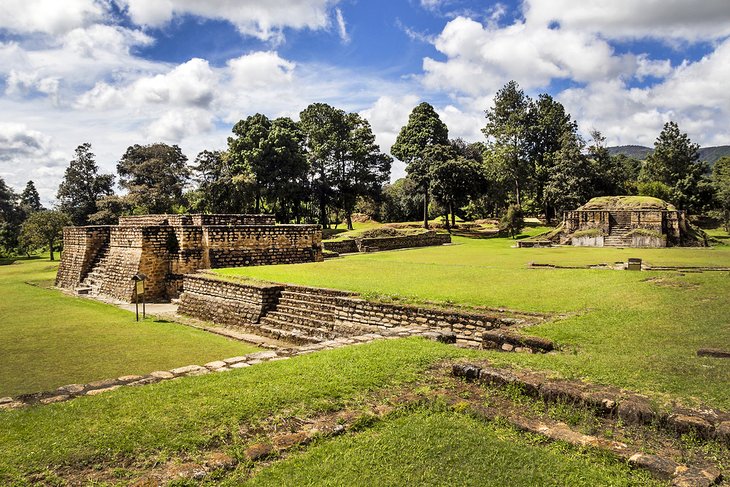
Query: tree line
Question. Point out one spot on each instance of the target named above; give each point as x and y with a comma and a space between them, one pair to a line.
327, 166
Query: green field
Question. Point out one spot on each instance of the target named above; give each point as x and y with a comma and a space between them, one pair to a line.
49, 339
638, 330
130, 430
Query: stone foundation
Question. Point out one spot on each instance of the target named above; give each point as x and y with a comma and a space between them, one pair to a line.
306, 314
426, 239
101, 260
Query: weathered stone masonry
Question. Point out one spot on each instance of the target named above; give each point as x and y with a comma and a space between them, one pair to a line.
307, 315
425, 239
103, 259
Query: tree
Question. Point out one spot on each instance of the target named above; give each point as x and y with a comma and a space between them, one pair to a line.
675, 162
285, 175
154, 176
10, 217
512, 221
401, 201
30, 200
363, 169
109, 209
414, 146
721, 185
222, 188
569, 181
453, 181
43, 228
250, 152
82, 186
612, 175
326, 131
508, 128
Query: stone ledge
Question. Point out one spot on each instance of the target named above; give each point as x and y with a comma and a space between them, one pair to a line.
631, 407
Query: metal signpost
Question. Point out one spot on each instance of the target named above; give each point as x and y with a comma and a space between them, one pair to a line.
138, 279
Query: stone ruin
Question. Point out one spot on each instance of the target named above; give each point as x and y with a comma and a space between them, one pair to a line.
626, 221
101, 260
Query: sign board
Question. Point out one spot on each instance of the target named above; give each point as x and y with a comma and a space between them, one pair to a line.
139, 287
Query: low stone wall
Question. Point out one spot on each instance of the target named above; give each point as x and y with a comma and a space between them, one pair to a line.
648, 241
468, 327
588, 241
426, 239
244, 303
226, 302
345, 246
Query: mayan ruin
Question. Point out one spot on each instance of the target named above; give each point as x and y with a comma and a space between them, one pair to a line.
101, 260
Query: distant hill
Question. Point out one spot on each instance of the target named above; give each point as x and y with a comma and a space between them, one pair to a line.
709, 154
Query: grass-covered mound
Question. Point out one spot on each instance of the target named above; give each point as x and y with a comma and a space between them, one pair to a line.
618, 203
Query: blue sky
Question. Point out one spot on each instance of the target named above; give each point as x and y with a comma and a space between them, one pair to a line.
120, 72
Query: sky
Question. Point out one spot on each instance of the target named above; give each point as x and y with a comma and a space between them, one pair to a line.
120, 72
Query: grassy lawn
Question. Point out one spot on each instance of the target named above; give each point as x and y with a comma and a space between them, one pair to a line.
638, 330
429, 445
148, 423
48, 339
445, 448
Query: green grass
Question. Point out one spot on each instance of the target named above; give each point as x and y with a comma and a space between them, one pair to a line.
445, 448
638, 330
147, 423
49, 339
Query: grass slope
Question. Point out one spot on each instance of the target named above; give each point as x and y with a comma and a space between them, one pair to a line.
48, 339
638, 330
445, 448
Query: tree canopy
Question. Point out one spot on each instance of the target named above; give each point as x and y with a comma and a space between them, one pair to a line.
154, 176
423, 141
82, 185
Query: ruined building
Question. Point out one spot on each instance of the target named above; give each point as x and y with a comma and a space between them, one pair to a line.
101, 260
627, 221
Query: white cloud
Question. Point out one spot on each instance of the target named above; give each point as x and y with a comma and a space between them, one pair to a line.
482, 58
668, 19
49, 16
342, 26
27, 154
260, 18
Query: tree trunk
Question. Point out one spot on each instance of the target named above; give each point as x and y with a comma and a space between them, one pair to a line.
453, 216
425, 208
517, 193
348, 217
50, 247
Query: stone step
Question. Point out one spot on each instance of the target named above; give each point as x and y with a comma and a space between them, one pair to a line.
306, 312
312, 297
287, 336
307, 305
313, 328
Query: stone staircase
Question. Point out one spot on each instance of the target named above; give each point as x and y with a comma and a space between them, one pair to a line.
91, 283
301, 318
617, 236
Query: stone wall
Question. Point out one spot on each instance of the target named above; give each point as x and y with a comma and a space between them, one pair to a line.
196, 219
262, 245
425, 239
244, 303
468, 327
587, 219
81, 247
225, 302
102, 260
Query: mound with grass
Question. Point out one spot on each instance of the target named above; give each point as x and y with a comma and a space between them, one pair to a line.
628, 203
